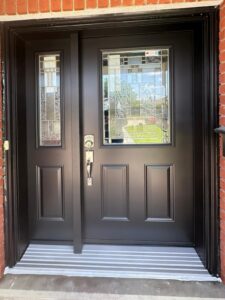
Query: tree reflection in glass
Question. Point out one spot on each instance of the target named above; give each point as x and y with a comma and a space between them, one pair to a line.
136, 104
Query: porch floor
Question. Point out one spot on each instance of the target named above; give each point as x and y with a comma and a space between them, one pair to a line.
150, 262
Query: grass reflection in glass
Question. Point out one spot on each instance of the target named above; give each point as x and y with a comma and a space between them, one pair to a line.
145, 134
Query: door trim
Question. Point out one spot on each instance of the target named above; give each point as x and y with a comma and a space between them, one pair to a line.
206, 20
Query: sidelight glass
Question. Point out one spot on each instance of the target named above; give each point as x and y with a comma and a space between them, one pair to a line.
49, 101
136, 96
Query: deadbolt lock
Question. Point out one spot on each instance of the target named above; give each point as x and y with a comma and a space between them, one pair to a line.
89, 141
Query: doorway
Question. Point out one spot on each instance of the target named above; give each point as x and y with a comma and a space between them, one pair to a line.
117, 138
141, 122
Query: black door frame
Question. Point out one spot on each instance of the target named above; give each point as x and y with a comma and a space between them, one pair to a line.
204, 22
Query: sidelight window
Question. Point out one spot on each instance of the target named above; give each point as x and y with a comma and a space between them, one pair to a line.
136, 96
49, 100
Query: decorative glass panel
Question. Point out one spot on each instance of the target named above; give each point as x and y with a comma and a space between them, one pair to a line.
49, 100
136, 96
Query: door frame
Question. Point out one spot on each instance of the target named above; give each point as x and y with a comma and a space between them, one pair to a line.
204, 22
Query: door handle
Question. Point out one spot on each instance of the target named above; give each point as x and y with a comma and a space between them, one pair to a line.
89, 166
89, 169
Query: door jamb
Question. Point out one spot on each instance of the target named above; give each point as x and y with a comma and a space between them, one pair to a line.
208, 17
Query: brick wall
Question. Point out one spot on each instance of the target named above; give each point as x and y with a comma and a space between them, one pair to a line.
1, 185
222, 122
19, 7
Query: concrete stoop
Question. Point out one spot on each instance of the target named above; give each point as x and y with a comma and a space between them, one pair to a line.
44, 287
47, 295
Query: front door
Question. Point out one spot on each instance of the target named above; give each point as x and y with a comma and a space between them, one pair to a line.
137, 106
137, 110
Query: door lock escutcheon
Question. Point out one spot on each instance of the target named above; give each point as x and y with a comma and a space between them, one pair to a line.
89, 141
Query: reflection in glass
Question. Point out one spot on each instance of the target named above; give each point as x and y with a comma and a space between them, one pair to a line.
49, 100
136, 104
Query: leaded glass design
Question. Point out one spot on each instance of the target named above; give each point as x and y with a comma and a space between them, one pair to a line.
136, 96
49, 100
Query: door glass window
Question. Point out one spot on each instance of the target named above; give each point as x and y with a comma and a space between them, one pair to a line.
136, 96
49, 100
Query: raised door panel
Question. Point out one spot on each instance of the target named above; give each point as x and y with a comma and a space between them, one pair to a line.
159, 193
50, 193
115, 193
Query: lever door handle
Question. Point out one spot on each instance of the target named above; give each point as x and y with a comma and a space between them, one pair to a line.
89, 165
89, 168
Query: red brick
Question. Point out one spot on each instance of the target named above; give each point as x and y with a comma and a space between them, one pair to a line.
103, 3
222, 89
67, 4
222, 203
222, 67
222, 77
222, 185
2, 7
21, 6
139, 2
164, 1
32, 6
222, 199
222, 45
222, 237
222, 166
114, 3
220, 153
55, 5
91, 3
127, 2
78, 4
44, 6
222, 34
222, 163
222, 173
153, 1
10, 6
222, 243
177, 1
222, 216
222, 23
222, 12
222, 229
222, 99
222, 110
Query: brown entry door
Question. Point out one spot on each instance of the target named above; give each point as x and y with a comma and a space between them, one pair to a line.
137, 104
49, 138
